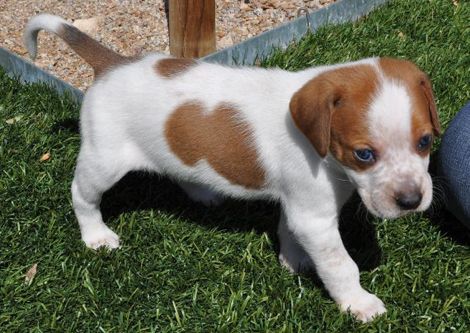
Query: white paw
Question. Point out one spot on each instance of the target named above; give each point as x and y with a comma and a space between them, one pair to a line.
95, 238
301, 264
363, 306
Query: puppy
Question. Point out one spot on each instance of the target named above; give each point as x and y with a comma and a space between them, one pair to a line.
307, 139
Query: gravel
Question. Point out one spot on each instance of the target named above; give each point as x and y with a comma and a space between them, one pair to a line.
133, 27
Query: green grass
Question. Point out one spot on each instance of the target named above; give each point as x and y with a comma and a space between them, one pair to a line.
186, 268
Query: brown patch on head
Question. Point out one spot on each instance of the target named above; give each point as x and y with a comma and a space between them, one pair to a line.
171, 67
424, 114
331, 110
219, 137
97, 55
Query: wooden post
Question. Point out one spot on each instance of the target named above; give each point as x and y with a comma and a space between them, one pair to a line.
192, 27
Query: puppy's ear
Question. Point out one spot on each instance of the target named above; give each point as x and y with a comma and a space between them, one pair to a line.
425, 84
311, 108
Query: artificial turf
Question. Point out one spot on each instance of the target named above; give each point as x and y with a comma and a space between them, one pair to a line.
183, 267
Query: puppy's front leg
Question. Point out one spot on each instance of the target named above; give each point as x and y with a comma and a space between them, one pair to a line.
318, 235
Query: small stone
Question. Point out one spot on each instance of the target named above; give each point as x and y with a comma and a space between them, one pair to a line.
225, 41
258, 11
90, 25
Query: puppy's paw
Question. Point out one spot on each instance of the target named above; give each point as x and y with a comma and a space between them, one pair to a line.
101, 236
363, 306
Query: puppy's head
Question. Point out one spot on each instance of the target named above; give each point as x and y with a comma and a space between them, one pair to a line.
378, 121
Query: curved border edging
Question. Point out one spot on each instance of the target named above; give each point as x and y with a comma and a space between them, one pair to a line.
26, 71
260, 46
246, 52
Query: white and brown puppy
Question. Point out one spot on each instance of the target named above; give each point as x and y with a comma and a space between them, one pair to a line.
306, 139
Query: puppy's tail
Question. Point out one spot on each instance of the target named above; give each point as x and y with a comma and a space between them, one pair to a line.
98, 56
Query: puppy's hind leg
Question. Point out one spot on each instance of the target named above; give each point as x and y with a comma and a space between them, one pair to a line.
93, 176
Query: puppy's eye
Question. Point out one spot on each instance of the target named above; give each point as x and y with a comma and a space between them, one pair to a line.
424, 142
364, 155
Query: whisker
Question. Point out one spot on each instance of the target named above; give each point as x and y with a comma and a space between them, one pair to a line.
343, 180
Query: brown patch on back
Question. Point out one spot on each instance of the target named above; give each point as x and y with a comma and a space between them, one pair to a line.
219, 138
331, 112
171, 67
424, 117
97, 55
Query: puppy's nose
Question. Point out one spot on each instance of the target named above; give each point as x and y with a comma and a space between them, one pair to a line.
409, 200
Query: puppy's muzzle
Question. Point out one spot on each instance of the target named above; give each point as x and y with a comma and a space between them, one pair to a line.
408, 197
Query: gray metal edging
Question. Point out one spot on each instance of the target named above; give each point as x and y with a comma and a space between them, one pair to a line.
28, 72
246, 52
258, 47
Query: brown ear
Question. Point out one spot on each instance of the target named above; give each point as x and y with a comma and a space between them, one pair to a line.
427, 89
311, 108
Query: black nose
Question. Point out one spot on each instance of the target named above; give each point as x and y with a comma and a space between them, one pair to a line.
408, 200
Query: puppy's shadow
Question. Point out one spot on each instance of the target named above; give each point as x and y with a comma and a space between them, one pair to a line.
69, 125
139, 191
449, 225
443, 219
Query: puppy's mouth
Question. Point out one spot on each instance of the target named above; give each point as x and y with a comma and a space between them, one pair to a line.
388, 211
385, 213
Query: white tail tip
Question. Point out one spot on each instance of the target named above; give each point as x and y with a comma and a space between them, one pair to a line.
37, 23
